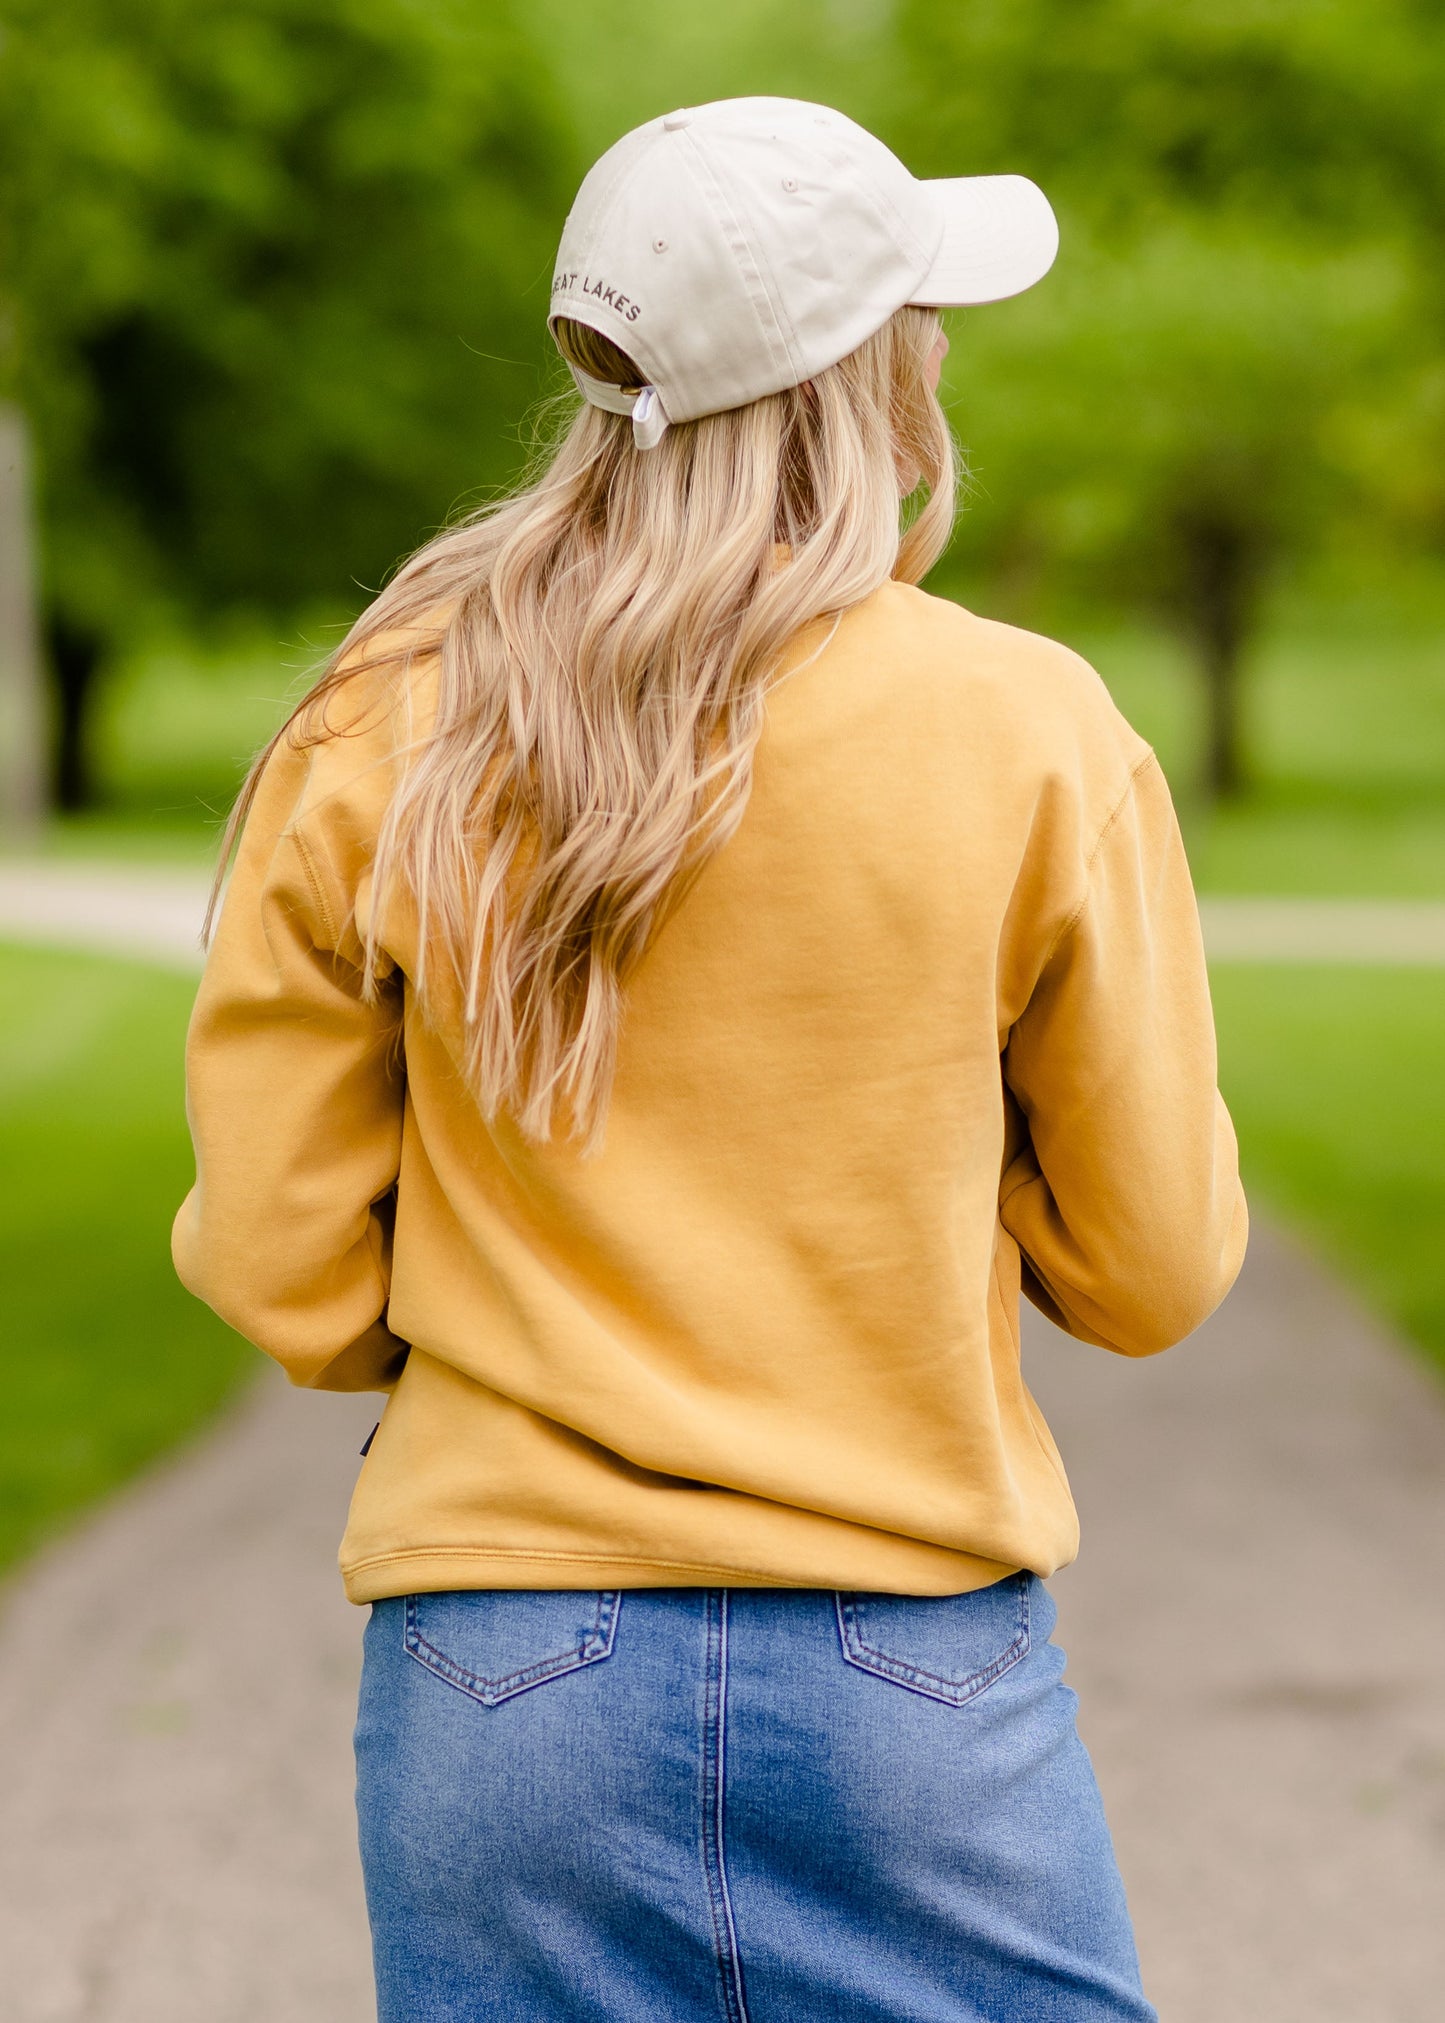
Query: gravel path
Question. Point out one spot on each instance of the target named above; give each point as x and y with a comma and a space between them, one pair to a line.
1255, 1626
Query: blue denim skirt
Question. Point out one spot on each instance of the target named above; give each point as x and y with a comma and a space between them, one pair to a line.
733, 1805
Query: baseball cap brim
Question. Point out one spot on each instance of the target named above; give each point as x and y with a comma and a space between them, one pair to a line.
1000, 235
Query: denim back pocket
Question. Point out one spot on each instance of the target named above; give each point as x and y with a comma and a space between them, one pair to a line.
947, 1647
494, 1643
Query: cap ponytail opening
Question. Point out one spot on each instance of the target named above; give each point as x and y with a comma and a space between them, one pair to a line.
587, 351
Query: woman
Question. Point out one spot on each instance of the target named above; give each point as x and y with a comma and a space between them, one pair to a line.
679, 983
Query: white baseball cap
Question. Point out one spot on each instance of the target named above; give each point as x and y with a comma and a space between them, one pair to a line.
735, 249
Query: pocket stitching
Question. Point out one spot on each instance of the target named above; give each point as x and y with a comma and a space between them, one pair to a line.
596, 1644
953, 1693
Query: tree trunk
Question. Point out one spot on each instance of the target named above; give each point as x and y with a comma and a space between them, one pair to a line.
22, 701
1221, 574
75, 657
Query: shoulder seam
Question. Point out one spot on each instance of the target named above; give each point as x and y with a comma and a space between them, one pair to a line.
318, 891
1150, 758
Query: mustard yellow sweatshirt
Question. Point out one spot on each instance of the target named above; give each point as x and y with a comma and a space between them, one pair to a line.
932, 1027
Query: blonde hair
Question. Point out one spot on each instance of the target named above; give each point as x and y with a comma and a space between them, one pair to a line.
605, 639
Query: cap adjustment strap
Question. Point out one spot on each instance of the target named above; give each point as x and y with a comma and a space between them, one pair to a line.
649, 421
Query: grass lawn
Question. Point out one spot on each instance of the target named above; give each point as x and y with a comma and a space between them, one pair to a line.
1336, 1080
1344, 718
106, 1360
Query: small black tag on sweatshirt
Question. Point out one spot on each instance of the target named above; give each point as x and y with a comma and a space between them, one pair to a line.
366, 1449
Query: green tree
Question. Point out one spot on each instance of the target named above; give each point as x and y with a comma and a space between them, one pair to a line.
1169, 430
273, 277
1247, 301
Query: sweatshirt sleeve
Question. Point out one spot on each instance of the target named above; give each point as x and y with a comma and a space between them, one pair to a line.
294, 1093
1125, 1197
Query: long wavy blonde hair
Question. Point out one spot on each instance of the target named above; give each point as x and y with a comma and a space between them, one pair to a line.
604, 642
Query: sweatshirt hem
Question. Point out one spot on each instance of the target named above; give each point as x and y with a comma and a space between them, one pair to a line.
417, 1570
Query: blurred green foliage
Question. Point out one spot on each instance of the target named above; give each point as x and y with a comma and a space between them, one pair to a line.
273, 275
274, 272
1236, 365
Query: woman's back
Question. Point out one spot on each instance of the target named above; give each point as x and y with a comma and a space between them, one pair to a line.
769, 1332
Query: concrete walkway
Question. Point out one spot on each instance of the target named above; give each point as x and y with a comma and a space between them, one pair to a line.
177, 1688
1256, 1628
151, 911
1404, 933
